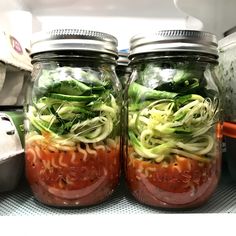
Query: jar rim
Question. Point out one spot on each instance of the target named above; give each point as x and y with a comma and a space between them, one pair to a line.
73, 39
173, 55
174, 41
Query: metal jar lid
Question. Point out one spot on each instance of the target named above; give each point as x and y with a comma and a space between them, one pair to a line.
175, 41
123, 59
74, 39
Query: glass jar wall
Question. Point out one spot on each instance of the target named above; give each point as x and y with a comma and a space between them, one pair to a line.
173, 152
123, 70
73, 112
227, 62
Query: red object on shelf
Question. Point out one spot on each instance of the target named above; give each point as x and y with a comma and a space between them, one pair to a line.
229, 129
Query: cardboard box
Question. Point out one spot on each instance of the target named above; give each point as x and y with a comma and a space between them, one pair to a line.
15, 69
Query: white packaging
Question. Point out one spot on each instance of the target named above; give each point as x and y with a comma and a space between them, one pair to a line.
16, 64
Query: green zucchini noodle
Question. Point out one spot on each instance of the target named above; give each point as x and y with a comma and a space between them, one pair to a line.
164, 128
69, 122
92, 131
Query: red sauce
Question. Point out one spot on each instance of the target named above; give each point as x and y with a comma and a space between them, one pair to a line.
68, 178
181, 183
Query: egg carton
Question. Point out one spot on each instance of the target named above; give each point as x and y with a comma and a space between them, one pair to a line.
15, 69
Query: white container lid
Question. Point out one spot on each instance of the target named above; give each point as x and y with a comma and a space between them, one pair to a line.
228, 41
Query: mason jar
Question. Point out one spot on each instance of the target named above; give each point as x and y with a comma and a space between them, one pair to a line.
123, 70
173, 152
73, 118
227, 65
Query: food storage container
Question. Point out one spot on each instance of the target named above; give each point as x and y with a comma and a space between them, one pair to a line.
122, 69
173, 153
227, 61
229, 131
73, 118
11, 147
229, 31
123, 72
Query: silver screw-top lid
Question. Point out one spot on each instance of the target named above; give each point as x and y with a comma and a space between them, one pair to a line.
175, 41
73, 39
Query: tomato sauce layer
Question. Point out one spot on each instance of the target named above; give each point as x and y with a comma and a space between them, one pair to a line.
179, 183
72, 178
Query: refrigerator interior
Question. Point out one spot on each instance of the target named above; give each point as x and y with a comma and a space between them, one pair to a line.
123, 19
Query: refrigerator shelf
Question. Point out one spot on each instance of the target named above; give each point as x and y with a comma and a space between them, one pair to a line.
21, 202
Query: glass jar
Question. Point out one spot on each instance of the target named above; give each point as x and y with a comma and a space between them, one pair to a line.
227, 65
173, 152
123, 70
73, 118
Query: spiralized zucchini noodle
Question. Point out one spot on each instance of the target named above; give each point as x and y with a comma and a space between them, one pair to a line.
181, 126
71, 106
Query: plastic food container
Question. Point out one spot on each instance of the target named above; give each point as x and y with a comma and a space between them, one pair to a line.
73, 118
229, 131
173, 153
227, 60
11, 148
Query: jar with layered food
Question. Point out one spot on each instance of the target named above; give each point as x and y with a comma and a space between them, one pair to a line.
123, 70
227, 62
73, 118
173, 151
